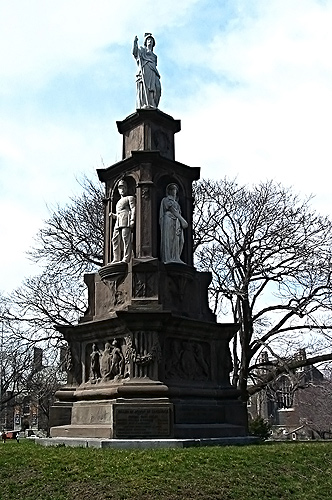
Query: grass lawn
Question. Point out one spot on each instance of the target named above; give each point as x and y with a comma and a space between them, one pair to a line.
258, 472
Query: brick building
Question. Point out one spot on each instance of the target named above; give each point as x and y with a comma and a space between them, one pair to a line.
298, 405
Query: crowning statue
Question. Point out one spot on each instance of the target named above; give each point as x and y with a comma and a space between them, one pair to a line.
172, 225
147, 77
125, 220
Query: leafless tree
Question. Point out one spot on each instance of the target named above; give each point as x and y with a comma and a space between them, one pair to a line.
41, 387
14, 363
71, 240
69, 245
21, 376
270, 258
315, 406
268, 251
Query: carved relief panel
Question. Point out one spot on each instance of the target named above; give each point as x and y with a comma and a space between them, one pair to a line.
145, 285
132, 356
105, 361
143, 353
187, 360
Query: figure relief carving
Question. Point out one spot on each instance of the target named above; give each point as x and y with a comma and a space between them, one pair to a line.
95, 363
108, 364
172, 225
148, 88
125, 220
112, 361
187, 361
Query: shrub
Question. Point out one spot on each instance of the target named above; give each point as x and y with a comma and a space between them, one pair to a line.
260, 427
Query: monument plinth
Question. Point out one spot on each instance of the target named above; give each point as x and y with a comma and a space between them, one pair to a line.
148, 359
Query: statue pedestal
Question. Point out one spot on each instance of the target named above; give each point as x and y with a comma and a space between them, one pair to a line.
148, 359
119, 419
175, 370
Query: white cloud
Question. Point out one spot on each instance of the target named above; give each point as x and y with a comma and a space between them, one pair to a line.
271, 116
40, 39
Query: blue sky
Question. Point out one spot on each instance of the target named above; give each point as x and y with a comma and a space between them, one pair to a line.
251, 81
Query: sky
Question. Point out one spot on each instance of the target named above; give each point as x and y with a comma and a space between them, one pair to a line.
250, 80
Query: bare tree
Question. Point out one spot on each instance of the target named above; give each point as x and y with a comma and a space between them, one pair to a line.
315, 404
69, 245
15, 361
71, 240
41, 387
270, 258
269, 254
23, 379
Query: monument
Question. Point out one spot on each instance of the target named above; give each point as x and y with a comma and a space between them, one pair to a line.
148, 359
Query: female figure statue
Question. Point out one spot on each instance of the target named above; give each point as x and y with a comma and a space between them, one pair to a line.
147, 78
172, 225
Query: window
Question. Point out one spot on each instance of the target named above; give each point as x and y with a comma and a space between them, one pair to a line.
284, 393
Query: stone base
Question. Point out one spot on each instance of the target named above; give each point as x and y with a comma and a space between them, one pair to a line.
157, 418
172, 381
206, 431
140, 419
147, 443
60, 413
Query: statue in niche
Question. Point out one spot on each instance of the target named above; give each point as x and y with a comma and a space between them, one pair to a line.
172, 225
125, 221
95, 363
112, 361
147, 77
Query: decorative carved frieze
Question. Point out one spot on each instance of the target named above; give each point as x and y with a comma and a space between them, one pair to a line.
143, 358
69, 360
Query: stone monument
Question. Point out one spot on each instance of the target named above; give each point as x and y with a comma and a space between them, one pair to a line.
148, 359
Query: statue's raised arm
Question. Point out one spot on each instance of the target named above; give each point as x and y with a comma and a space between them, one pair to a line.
147, 77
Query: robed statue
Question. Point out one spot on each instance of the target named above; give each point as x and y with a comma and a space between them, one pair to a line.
172, 225
147, 77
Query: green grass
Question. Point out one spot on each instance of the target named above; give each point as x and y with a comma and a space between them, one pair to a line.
301, 471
